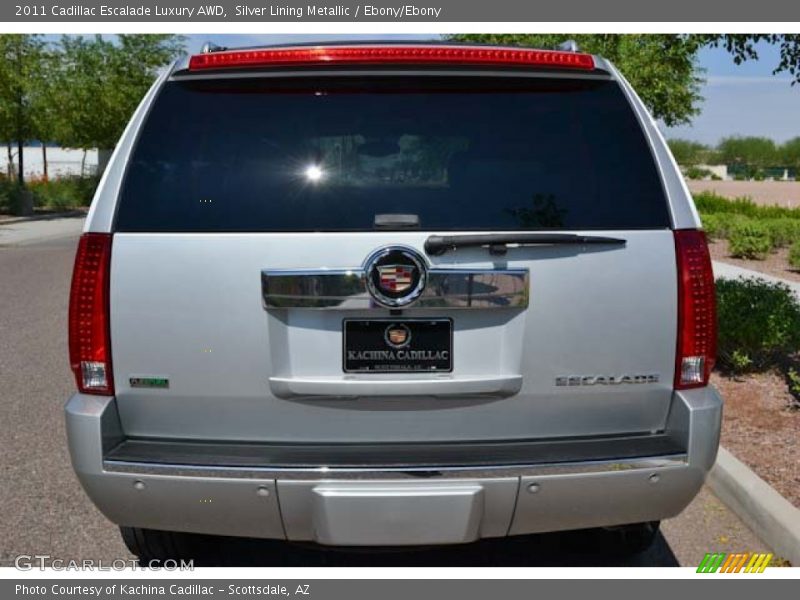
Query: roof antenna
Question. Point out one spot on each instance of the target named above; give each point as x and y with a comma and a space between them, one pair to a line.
569, 46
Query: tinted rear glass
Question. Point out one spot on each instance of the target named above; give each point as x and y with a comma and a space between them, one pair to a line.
462, 153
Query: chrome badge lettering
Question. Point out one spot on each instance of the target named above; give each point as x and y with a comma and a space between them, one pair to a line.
576, 380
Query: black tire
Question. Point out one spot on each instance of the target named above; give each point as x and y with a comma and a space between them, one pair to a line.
154, 545
627, 540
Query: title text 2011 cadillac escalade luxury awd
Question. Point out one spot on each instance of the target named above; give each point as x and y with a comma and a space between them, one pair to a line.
390, 295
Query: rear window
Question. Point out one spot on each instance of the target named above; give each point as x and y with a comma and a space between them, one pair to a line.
459, 153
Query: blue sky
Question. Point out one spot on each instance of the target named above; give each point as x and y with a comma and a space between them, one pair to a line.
744, 99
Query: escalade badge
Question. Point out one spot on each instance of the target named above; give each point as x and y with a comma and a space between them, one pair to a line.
571, 380
395, 275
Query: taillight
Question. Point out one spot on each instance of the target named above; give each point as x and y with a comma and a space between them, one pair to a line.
89, 336
697, 311
405, 54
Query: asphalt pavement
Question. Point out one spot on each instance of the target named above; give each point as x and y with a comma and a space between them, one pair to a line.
43, 509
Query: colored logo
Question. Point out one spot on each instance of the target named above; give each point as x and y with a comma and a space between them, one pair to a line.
742, 562
398, 336
396, 278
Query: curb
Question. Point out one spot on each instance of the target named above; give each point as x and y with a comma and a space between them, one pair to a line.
771, 516
48, 217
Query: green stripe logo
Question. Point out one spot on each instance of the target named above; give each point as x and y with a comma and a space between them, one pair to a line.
711, 562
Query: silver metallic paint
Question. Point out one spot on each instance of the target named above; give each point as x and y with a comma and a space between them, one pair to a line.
273, 503
236, 372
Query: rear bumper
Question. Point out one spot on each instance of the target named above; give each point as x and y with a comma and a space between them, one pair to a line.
440, 494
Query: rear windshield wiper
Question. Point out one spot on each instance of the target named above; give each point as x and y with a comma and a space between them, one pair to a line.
498, 243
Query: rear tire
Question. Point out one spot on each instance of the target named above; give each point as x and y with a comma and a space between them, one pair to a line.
627, 540
154, 545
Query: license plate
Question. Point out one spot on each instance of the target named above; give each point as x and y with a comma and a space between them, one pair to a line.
391, 346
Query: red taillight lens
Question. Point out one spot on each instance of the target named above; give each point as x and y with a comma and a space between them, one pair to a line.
697, 311
89, 336
366, 55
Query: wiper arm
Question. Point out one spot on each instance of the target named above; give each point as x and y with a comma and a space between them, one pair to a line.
497, 243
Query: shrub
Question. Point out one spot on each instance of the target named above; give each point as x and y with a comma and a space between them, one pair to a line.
719, 225
697, 173
709, 202
6, 191
64, 192
759, 324
783, 232
750, 239
793, 379
11, 199
794, 255
711, 225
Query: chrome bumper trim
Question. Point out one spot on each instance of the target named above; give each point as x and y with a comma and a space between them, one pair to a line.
347, 289
411, 472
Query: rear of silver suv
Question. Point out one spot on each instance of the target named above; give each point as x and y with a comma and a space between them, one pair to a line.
389, 295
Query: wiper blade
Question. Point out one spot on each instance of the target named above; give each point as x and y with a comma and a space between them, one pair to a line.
497, 243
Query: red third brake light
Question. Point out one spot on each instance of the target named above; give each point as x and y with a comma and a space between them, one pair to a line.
410, 55
89, 336
697, 311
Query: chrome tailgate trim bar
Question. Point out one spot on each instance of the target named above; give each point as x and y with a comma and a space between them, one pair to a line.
347, 289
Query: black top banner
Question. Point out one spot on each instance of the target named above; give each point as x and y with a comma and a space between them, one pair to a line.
383, 11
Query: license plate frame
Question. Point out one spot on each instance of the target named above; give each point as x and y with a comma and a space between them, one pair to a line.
426, 336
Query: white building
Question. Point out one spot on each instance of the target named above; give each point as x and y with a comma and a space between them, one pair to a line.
720, 171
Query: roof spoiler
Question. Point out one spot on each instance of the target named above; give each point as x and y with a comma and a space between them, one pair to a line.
215, 58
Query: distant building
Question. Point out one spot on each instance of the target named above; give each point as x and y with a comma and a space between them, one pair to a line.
720, 171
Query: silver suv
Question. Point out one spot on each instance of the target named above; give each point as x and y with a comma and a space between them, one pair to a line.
391, 295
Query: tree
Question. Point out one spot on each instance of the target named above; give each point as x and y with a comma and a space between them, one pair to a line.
742, 48
48, 114
790, 154
21, 82
103, 82
662, 68
749, 153
690, 153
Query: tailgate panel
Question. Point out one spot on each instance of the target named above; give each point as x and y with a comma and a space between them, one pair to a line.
189, 307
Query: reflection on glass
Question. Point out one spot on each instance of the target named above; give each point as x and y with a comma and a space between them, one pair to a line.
543, 213
314, 173
403, 160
